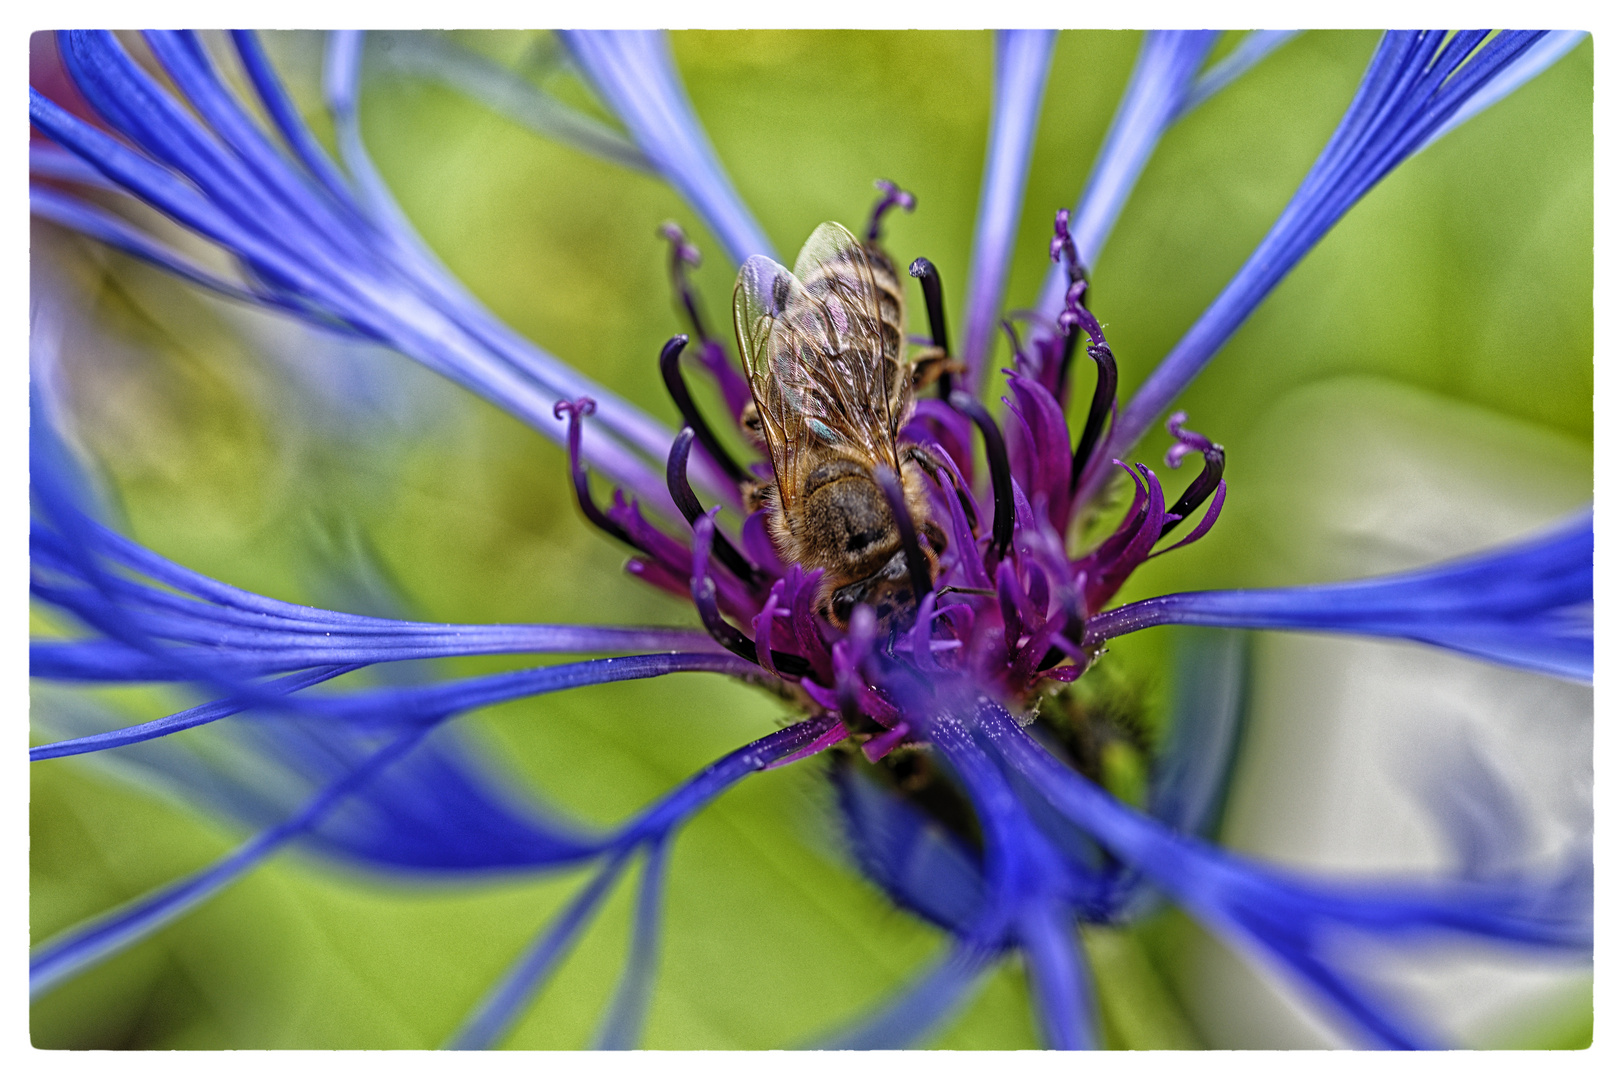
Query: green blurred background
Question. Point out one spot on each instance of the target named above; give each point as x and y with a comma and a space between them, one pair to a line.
1462, 283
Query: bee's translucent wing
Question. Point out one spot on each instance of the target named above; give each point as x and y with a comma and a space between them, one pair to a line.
834, 260
814, 347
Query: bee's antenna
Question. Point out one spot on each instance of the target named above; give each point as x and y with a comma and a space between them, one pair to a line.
930, 283
676, 478
918, 570
670, 369
997, 463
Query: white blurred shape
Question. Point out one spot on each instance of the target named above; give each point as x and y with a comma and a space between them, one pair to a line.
1349, 740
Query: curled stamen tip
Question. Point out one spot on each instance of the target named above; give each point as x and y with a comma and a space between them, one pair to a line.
678, 239
895, 195
1188, 441
1062, 245
583, 406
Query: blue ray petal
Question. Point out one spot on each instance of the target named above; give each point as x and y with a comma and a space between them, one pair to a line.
1298, 922
1166, 67
494, 1015
104, 936
634, 72
921, 1007
1415, 85
321, 252
1252, 50
436, 56
623, 1024
1530, 605
1060, 982
1019, 77
918, 865
496, 1012
1552, 47
1190, 775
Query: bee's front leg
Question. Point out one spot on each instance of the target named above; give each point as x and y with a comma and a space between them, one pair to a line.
750, 421
930, 363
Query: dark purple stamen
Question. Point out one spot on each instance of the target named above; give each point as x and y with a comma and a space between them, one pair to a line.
670, 368
1104, 396
577, 411
1063, 247
997, 463
930, 283
683, 256
893, 196
1071, 633
676, 479
1211, 473
1075, 318
918, 570
725, 633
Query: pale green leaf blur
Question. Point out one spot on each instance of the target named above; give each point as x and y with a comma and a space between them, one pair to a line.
1465, 278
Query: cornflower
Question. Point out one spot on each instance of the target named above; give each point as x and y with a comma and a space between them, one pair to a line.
971, 777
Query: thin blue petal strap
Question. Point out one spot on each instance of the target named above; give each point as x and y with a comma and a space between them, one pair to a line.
622, 1025
1060, 981
1020, 74
180, 721
94, 941
495, 1014
1414, 85
636, 76
428, 55
1530, 605
1255, 47
921, 1007
1298, 921
1160, 84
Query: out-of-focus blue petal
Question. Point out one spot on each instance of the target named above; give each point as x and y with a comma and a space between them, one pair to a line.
101, 937
1209, 698
442, 809
1252, 49
180, 721
1303, 924
1060, 983
309, 242
1415, 84
494, 1015
1529, 606
1166, 67
925, 1004
622, 1026
634, 72
436, 56
96, 223
1019, 75
1552, 47
911, 858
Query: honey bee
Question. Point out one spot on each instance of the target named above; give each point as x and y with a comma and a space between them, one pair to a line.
822, 347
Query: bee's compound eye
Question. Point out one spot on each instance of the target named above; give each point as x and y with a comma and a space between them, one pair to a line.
842, 607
